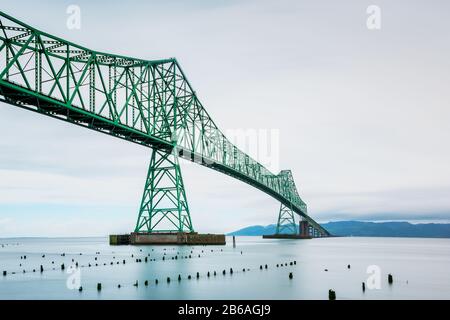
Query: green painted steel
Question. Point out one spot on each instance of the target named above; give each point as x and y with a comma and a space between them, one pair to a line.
164, 206
146, 102
286, 221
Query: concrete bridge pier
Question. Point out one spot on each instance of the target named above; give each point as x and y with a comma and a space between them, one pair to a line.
304, 228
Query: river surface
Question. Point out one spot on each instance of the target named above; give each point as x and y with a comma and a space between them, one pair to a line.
420, 269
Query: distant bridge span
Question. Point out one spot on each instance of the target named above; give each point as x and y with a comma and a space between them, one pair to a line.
150, 103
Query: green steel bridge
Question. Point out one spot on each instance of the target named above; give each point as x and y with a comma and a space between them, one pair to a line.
150, 103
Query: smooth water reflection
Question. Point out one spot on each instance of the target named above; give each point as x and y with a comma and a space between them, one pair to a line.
420, 268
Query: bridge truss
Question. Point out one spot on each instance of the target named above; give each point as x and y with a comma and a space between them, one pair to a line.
150, 103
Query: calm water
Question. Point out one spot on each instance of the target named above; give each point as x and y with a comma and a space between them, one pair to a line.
420, 267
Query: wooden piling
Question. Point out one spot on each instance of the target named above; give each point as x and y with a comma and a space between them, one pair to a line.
331, 295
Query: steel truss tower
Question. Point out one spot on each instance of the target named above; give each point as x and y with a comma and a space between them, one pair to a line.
286, 221
164, 206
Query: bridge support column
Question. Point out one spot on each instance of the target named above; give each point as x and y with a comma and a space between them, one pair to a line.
164, 206
286, 221
304, 228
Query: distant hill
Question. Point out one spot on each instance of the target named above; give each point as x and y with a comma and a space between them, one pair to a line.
366, 229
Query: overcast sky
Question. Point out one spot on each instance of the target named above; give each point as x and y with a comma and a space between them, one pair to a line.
362, 115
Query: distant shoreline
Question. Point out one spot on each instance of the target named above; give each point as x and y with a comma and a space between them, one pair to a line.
337, 229
366, 229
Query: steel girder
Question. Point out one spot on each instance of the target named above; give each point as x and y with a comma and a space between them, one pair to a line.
164, 206
286, 221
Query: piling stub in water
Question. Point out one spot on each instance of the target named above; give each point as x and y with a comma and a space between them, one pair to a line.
234, 242
62, 267
99, 286
331, 295
291, 275
265, 266
80, 288
168, 279
179, 277
215, 273
42, 268
146, 283
363, 286
4, 273
231, 270
208, 274
348, 266
156, 281
390, 278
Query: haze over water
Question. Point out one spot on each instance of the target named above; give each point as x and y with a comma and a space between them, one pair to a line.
419, 267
